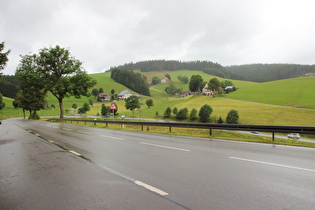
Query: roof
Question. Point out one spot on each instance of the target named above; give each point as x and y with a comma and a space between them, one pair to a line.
166, 79
124, 92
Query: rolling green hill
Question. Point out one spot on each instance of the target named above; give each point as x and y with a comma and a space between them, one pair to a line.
292, 92
297, 92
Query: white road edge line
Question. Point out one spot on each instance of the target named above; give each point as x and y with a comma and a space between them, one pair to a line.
66, 129
74, 152
273, 164
111, 137
164, 146
151, 188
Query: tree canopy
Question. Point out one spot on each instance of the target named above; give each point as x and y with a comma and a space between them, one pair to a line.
214, 84
32, 95
3, 57
195, 83
171, 65
56, 71
232, 117
205, 112
132, 103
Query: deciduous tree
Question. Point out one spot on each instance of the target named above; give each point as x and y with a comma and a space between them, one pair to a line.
132, 103
232, 117
182, 114
32, 95
195, 83
205, 112
168, 112
149, 103
193, 114
2, 104
3, 57
63, 74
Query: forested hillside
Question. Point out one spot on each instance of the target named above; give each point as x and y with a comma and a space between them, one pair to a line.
173, 65
269, 72
9, 86
250, 72
134, 81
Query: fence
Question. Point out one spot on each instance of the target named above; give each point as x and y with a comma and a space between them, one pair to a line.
238, 127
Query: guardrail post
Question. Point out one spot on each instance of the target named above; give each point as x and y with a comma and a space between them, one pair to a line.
170, 129
141, 127
273, 136
210, 132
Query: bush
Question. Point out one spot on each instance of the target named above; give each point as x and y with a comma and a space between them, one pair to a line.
182, 114
205, 112
232, 117
84, 109
168, 112
193, 115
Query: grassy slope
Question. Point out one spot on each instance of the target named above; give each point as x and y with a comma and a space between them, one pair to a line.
297, 92
250, 113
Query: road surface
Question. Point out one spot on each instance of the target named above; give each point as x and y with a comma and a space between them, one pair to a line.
51, 165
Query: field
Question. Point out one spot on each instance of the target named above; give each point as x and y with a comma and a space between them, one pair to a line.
248, 100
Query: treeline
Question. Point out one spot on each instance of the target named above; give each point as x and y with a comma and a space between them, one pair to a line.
9, 86
207, 67
269, 72
132, 80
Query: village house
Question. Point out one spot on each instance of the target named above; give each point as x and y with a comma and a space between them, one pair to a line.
165, 80
123, 95
206, 91
104, 97
228, 87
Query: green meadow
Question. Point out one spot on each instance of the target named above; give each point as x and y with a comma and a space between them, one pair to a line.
283, 102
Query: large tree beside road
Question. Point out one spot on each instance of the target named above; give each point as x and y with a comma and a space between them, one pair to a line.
3, 57
31, 97
60, 73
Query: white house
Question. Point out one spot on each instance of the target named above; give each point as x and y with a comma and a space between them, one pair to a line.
206, 91
165, 80
123, 95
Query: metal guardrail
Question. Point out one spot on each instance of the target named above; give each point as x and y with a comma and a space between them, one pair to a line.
239, 127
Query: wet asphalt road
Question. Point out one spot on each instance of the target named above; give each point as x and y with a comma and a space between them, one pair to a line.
129, 170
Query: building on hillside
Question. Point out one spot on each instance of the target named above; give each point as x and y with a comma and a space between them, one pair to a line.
104, 97
228, 87
123, 95
165, 80
208, 92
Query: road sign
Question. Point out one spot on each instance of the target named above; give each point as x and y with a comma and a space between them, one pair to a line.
113, 106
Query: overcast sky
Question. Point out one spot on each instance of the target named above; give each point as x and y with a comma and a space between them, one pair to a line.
105, 33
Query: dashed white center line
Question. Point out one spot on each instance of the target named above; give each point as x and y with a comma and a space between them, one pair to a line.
111, 137
151, 188
75, 153
164, 146
83, 132
273, 164
66, 129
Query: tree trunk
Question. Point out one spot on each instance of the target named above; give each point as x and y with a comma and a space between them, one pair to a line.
61, 108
